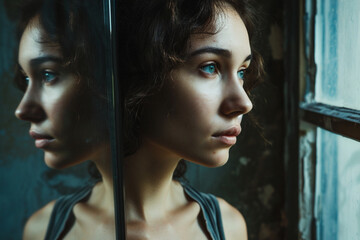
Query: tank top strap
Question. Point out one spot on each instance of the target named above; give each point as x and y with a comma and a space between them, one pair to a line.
62, 216
210, 209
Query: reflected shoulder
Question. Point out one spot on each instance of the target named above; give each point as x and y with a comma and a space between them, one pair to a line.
36, 225
233, 221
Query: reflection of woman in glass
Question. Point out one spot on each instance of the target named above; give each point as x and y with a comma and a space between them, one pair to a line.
187, 66
62, 74
185, 70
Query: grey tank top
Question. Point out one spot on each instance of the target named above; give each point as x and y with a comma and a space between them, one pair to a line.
62, 217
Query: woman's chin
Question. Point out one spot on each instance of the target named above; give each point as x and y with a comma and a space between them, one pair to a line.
213, 160
57, 162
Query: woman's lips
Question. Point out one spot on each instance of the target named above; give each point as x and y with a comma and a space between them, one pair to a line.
228, 136
41, 140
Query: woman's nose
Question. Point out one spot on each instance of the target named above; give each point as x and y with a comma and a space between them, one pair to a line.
236, 101
30, 108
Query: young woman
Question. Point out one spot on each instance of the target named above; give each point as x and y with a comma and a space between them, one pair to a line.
186, 69
64, 100
187, 66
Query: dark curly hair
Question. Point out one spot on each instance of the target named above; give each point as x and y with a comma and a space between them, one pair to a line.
77, 27
154, 39
154, 36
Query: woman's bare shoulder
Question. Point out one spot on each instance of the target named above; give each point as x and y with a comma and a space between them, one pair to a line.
233, 221
36, 225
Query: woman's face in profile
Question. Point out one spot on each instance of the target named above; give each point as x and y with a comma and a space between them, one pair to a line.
197, 115
55, 102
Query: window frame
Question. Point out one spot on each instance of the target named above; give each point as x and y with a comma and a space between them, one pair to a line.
339, 120
303, 115
111, 10
291, 103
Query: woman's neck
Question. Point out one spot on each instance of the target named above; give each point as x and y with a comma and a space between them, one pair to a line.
150, 192
103, 194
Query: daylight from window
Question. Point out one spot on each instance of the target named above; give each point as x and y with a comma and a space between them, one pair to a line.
337, 48
337, 206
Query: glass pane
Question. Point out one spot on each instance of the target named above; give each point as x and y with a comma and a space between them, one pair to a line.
337, 187
337, 47
62, 104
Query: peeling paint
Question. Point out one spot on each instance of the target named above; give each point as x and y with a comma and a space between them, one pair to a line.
276, 42
269, 231
265, 194
307, 161
244, 160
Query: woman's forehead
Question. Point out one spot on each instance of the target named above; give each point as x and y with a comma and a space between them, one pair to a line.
227, 29
32, 44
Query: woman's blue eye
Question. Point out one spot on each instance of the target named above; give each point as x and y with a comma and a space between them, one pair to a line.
27, 80
241, 74
210, 68
49, 76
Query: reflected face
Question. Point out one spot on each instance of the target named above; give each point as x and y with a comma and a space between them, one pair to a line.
197, 115
56, 103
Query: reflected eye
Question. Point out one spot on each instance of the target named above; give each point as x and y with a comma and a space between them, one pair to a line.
241, 74
209, 69
22, 78
48, 76
27, 80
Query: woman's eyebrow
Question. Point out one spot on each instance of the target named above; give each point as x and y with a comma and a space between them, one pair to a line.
20, 68
218, 51
214, 50
248, 58
47, 58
